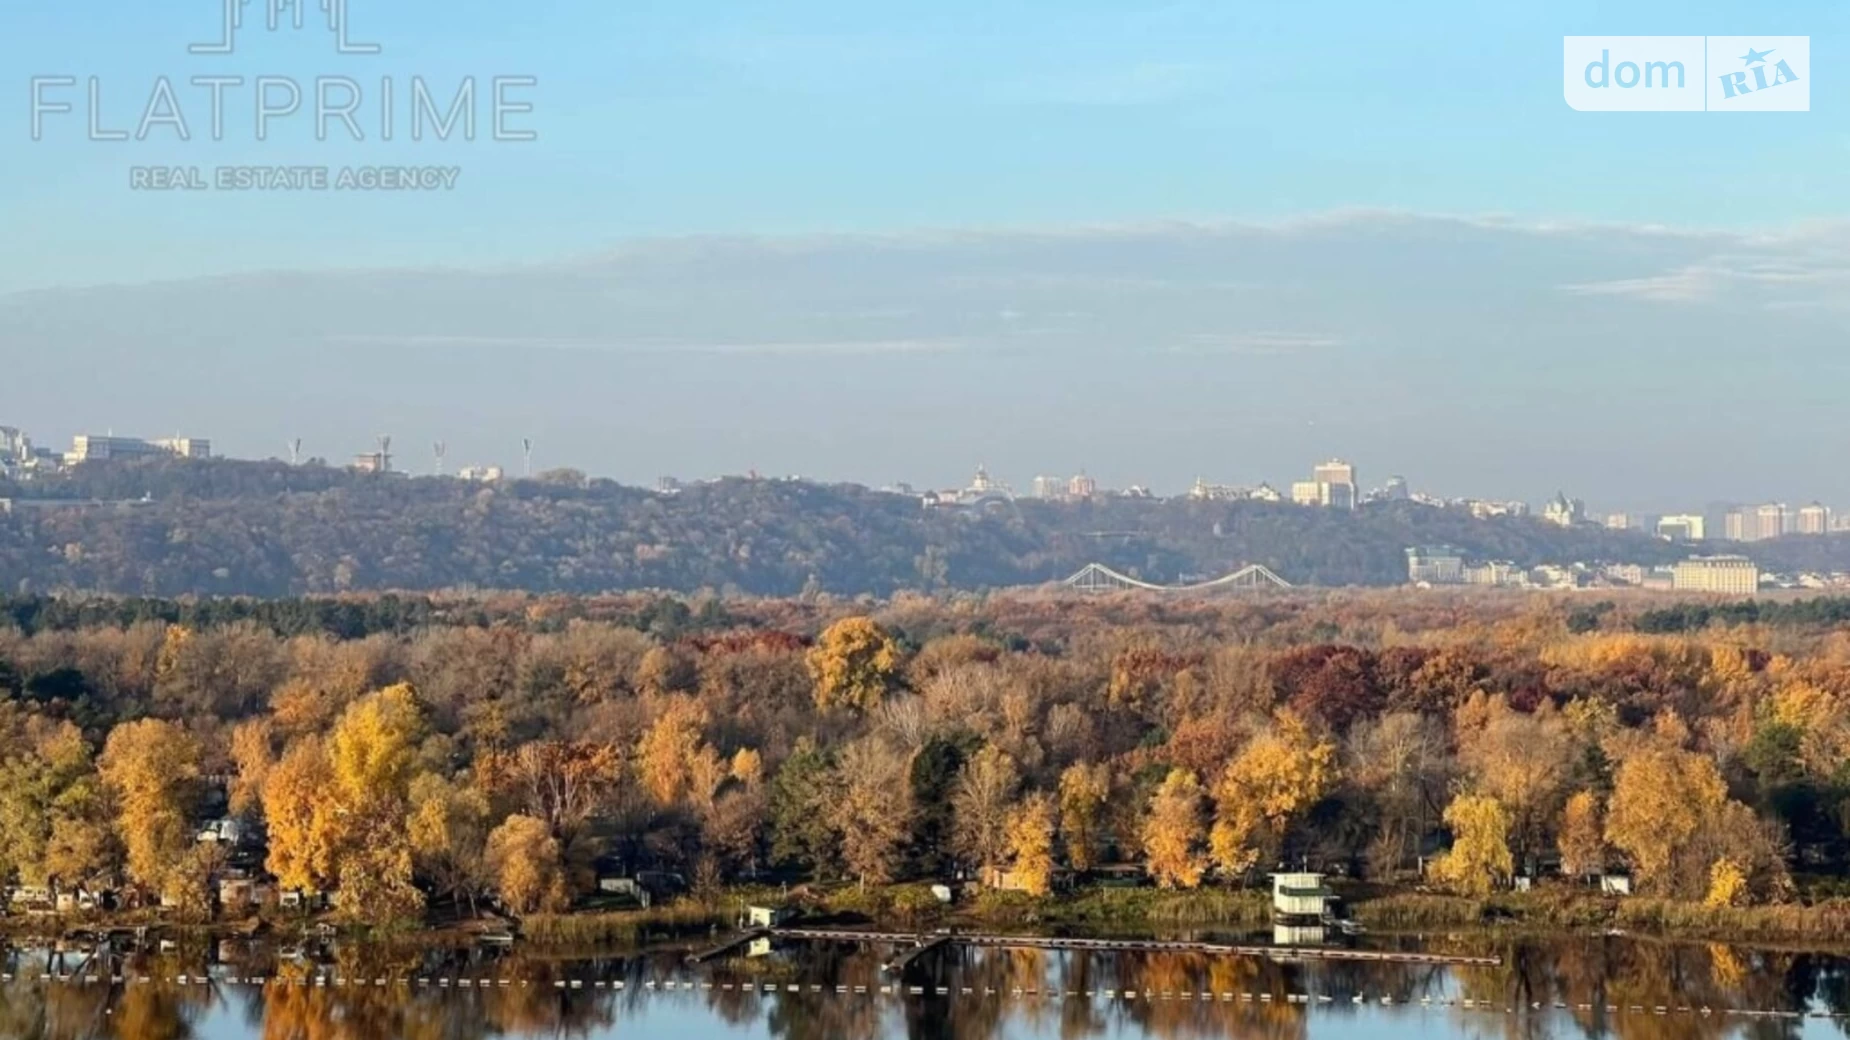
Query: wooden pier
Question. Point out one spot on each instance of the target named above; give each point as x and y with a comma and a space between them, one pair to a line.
924, 946
715, 953
1046, 942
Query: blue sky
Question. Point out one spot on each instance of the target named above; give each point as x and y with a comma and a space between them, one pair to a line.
1050, 221
695, 116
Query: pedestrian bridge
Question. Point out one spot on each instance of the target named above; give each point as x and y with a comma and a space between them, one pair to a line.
1096, 577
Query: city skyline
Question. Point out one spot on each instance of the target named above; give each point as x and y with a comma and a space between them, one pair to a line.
1335, 483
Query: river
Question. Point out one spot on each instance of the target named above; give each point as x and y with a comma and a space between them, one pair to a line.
1580, 986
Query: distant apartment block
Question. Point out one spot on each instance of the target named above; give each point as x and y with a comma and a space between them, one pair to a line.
1757, 523
1435, 565
1812, 519
1331, 485
1729, 575
1774, 520
1682, 528
93, 448
492, 474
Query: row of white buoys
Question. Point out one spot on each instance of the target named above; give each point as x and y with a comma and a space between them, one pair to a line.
894, 989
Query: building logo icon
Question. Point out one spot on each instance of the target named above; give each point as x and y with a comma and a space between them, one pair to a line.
284, 14
1687, 73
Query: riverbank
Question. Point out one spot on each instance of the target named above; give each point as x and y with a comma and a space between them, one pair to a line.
1559, 910
1132, 911
1092, 911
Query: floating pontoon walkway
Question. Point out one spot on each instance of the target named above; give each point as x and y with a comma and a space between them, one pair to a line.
1048, 942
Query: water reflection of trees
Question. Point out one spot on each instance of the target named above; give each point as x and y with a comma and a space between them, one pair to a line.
987, 993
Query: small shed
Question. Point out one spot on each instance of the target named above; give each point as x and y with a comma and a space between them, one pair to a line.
1615, 884
629, 887
1299, 896
768, 916
243, 893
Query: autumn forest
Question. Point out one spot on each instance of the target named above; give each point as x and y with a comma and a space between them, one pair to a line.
433, 758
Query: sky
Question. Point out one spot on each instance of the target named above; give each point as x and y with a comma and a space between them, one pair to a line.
891, 241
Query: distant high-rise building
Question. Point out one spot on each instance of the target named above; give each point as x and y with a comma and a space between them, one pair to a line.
1730, 575
1331, 485
1082, 486
1049, 487
1770, 521
1337, 484
1682, 528
1813, 519
1740, 525
1396, 490
1624, 522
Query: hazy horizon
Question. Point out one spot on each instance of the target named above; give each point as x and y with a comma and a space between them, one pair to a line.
1639, 368
1152, 241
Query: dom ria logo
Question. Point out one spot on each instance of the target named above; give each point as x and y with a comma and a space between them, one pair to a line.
1687, 73
1734, 84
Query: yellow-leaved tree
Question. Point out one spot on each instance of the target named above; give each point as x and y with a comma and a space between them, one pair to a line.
301, 818
151, 767
1519, 758
668, 755
1083, 790
1030, 840
252, 755
853, 664
1276, 778
1480, 854
1661, 796
1172, 834
1582, 843
448, 828
747, 767
528, 866
1727, 885
373, 754
338, 811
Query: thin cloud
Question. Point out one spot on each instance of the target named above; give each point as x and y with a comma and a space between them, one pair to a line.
837, 347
